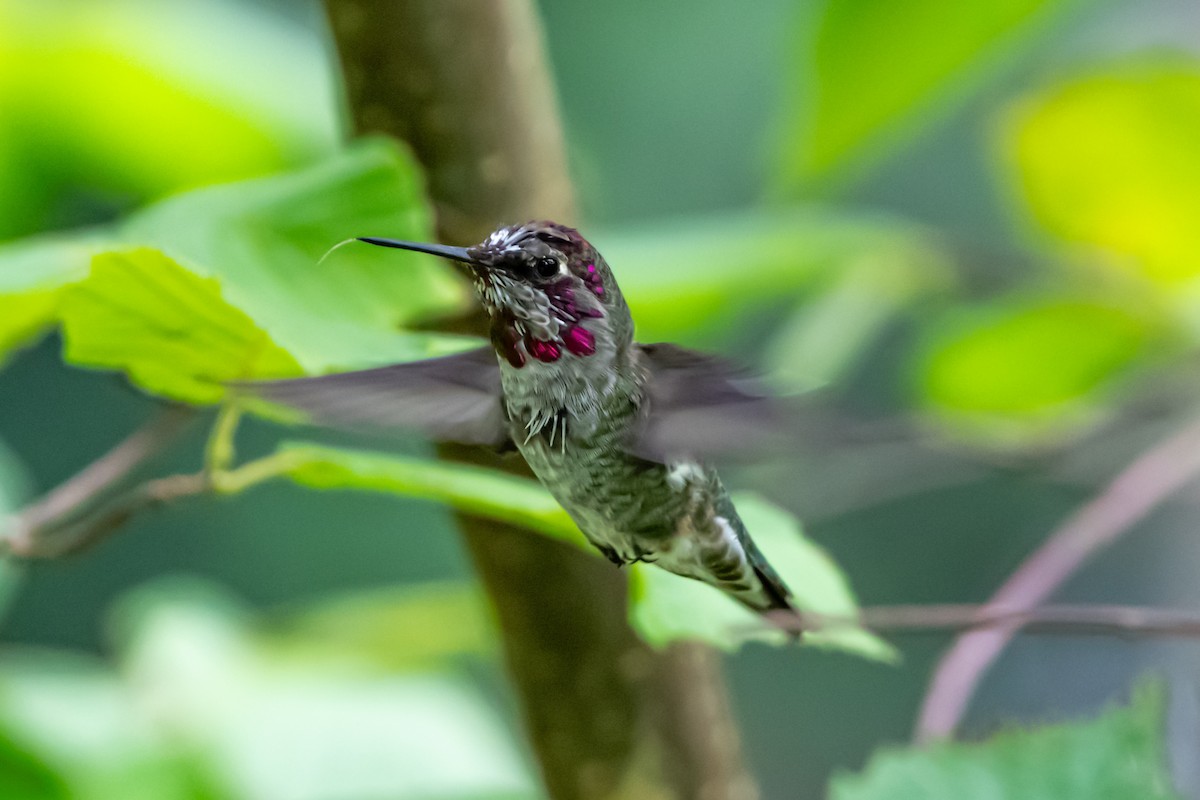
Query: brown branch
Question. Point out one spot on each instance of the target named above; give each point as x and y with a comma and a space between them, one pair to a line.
1134, 493
30, 529
465, 83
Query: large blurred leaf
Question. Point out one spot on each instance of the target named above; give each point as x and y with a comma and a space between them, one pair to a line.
168, 329
879, 63
263, 240
706, 275
202, 708
1109, 163
114, 95
111, 101
26, 776
1117, 757
667, 607
276, 728
1028, 364
398, 627
80, 721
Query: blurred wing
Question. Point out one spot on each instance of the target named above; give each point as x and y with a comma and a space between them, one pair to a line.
455, 398
698, 406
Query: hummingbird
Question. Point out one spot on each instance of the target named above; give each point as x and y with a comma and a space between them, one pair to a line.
619, 432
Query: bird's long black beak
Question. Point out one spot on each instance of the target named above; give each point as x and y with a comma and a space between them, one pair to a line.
445, 251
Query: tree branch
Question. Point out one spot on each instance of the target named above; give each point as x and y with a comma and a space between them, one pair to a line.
28, 530
464, 82
1134, 493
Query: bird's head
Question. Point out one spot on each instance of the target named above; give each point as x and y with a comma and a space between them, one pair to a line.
548, 292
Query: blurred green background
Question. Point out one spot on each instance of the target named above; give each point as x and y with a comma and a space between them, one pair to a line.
969, 229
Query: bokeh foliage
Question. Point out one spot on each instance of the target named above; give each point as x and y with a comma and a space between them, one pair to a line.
118, 119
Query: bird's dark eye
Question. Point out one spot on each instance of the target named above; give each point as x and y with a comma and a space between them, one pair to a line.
546, 267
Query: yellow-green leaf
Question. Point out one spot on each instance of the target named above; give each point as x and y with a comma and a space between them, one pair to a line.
80, 78
168, 329
33, 274
264, 240
1030, 362
418, 626
1109, 164
23, 317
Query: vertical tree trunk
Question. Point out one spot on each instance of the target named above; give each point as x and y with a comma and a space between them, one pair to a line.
464, 82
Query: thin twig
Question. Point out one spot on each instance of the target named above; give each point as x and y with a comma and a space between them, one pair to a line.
1097, 619
220, 451
82, 532
1134, 493
97, 526
93, 481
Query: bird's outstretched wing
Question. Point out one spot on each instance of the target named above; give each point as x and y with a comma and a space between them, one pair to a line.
698, 405
455, 398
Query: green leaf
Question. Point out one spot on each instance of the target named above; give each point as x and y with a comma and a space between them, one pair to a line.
126, 98
668, 608
33, 275
263, 239
707, 275
1027, 366
25, 317
76, 717
24, 775
274, 725
252, 249
203, 707
168, 329
877, 64
1119, 756
406, 627
476, 490
1141, 123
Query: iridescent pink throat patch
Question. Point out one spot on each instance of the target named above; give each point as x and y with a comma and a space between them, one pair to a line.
573, 337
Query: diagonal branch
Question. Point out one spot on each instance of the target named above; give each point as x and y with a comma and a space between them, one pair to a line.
1135, 492
26, 532
92, 528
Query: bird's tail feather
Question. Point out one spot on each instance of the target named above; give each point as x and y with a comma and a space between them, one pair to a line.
774, 602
